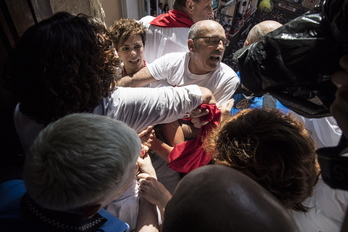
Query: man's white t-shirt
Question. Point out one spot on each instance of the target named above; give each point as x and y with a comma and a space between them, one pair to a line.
174, 69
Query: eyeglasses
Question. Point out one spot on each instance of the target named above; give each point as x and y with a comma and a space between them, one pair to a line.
215, 40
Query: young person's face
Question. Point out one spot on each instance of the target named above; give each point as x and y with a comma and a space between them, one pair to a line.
131, 53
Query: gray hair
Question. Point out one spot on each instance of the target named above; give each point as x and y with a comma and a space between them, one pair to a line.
77, 161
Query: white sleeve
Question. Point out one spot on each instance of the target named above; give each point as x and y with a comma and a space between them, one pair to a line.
142, 107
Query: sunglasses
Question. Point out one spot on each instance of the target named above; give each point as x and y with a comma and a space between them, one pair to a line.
215, 40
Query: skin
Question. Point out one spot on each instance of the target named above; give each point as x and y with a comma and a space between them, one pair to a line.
266, 26
131, 53
199, 11
206, 57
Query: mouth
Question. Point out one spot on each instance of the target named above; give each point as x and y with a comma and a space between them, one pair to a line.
134, 61
215, 58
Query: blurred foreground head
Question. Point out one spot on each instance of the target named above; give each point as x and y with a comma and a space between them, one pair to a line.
218, 198
81, 161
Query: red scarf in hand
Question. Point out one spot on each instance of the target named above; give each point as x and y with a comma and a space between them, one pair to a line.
190, 155
174, 18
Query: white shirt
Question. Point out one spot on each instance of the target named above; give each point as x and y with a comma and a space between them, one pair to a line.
327, 210
163, 40
137, 107
174, 69
325, 131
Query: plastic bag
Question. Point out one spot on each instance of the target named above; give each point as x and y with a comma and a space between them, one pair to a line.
294, 62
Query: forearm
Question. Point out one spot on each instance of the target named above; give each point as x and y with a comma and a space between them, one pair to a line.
162, 149
140, 79
147, 220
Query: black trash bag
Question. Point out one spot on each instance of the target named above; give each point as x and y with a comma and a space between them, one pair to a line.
294, 62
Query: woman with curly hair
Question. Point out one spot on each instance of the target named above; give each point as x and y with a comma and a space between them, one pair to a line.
68, 64
277, 151
129, 38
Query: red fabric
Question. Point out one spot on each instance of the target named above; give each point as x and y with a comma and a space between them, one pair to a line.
174, 18
190, 155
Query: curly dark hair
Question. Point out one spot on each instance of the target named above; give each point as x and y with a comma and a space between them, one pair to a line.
122, 29
62, 65
271, 147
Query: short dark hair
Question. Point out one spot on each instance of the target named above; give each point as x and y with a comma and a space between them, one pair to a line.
122, 29
181, 4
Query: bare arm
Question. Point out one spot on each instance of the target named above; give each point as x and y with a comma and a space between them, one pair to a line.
141, 78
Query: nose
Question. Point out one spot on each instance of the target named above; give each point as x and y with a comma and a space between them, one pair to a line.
133, 52
221, 45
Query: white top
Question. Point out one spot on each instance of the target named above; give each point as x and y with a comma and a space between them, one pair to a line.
325, 131
163, 40
137, 107
328, 208
174, 68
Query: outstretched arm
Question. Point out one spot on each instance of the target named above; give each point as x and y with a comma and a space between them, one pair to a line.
141, 78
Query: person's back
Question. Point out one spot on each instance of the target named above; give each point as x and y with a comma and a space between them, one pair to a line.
218, 198
168, 32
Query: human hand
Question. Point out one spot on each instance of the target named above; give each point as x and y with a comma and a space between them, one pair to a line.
196, 114
146, 136
339, 108
226, 107
146, 167
153, 191
207, 96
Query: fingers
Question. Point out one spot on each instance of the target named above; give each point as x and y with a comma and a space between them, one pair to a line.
227, 106
145, 131
196, 113
198, 123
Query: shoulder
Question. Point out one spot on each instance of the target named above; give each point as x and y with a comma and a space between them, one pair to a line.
146, 20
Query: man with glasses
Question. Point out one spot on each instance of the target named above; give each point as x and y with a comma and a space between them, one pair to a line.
201, 65
167, 32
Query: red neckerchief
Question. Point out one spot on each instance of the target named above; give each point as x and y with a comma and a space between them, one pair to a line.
174, 18
190, 155
125, 72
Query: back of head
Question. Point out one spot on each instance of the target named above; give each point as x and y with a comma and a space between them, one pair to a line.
261, 29
78, 160
181, 4
64, 64
218, 198
122, 29
272, 148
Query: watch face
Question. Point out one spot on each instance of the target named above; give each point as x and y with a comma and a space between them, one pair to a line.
243, 104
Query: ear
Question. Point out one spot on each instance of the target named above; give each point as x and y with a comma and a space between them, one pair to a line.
191, 45
189, 6
246, 43
90, 211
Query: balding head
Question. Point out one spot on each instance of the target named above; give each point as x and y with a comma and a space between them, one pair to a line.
260, 30
203, 27
218, 198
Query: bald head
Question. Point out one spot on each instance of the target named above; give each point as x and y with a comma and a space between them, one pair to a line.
260, 30
201, 28
219, 198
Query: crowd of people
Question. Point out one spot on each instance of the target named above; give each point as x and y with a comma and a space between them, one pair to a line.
107, 119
